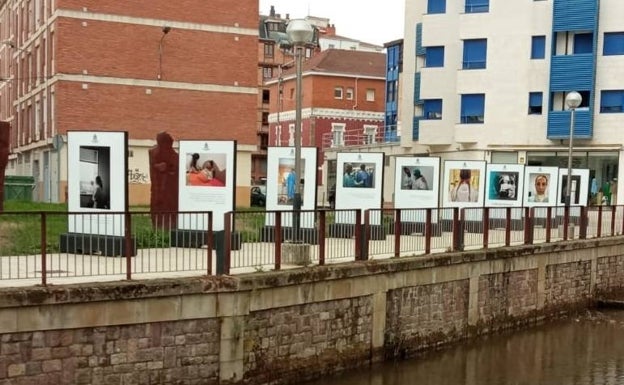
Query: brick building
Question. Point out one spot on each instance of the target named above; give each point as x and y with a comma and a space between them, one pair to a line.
143, 68
274, 56
343, 103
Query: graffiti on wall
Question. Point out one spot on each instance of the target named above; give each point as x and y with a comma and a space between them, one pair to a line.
136, 176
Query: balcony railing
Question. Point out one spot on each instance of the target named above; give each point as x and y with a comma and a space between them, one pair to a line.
36, 247
357, 137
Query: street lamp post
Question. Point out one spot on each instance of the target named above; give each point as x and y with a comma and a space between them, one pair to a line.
573, 100
300, 33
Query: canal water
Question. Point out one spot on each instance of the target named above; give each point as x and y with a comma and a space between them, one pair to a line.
583, 350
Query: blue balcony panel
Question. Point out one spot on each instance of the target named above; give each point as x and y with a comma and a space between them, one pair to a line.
415, 128
417, 89
559, 124
575, 15
572, 72
420, 50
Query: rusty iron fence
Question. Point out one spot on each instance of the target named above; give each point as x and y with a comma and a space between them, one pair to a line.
49, 247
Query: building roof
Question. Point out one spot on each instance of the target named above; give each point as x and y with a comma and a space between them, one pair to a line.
339, 61
344, 38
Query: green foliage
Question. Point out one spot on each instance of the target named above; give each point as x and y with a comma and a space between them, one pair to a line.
21, 227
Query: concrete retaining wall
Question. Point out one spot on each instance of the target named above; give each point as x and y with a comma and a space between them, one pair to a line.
289, 326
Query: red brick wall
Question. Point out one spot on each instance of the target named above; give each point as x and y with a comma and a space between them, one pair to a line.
184, 114
219, 12
318, 92
132, 51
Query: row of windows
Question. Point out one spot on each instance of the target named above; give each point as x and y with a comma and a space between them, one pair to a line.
472, 109
348, 94
470, 6
475, 50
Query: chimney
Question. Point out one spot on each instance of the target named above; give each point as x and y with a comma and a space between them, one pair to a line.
272, 13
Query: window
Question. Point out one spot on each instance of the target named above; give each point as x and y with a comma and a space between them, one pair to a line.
349, 95
337, 92
432, 109
477, 6
436, 6
613, 44
370, 132
269, 49
265, 118
370, 95
278, 135
338, 134
391, 91
472, 108
538, 47
535, 103
267, 72
266, 96
612, 101
475, 53
291, 135
583, 43
434, 57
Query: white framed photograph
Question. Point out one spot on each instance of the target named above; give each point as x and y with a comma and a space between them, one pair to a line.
207, 171
97, 181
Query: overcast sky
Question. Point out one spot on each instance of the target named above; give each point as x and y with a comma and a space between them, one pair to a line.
375, 22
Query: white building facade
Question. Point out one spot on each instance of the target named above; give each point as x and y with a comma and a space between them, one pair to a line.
487, 79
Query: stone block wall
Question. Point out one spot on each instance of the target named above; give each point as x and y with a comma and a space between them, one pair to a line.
506, 295
567, 284
610, 273
421, 316
153, 353
285, 327
290, 344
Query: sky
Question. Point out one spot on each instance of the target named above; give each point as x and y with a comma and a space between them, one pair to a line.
375, 22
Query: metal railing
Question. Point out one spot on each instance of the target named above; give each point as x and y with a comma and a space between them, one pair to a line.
51, 247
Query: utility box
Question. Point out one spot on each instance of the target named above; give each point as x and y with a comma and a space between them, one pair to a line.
18, 188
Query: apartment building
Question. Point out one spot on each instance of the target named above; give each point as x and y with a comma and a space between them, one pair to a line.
126, 66
487, 80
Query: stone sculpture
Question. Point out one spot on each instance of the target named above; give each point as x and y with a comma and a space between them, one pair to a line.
164, 175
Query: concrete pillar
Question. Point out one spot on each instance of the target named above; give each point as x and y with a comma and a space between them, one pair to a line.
379, 325
232, 308
473, 301
231, 364
541, 282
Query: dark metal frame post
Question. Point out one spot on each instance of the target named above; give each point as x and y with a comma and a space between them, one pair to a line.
44, 241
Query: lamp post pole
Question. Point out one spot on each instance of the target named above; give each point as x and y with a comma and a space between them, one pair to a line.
573, 100
297, 199
300, 33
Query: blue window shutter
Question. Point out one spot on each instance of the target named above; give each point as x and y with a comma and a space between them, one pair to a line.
538, 47
472, 108
436, 6
583, 43
612, 101
535, 99
432, 109
476, 6
475, 53
613, 43
434, 57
